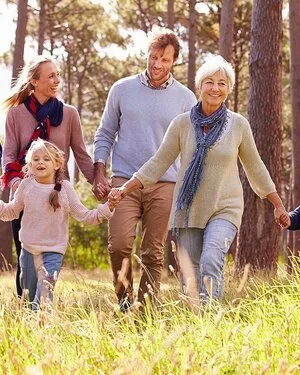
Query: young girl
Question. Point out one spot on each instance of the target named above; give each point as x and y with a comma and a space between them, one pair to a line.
47, 202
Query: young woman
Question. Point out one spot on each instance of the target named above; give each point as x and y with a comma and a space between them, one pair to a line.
35, 112
47, 201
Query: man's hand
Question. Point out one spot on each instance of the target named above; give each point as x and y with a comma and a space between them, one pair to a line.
101, 184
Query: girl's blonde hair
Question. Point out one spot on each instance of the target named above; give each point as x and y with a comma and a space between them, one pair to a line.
23, 87
57, 156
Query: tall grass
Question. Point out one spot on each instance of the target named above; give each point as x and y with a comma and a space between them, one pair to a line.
256, 330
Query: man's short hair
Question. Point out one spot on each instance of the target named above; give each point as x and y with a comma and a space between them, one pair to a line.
162, 37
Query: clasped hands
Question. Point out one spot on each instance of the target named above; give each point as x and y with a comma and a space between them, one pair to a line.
116, 195
102, 189
282, 218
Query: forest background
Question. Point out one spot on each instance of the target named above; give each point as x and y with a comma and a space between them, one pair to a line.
97, 42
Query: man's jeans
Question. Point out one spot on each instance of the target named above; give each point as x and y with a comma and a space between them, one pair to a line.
39, 274
202, 254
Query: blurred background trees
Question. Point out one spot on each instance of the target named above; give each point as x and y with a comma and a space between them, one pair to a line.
98, 42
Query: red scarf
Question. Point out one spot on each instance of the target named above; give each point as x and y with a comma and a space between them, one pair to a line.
47, 115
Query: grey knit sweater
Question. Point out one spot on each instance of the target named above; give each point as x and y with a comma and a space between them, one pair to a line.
134, 122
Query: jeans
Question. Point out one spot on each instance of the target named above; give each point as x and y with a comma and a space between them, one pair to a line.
38, 275
201, 256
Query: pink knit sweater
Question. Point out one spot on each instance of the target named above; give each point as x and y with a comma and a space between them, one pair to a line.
42, 229
20, 125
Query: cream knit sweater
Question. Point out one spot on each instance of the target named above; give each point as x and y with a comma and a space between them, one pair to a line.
220, 194
42, 229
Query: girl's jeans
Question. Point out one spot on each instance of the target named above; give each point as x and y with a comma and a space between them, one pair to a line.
201, 256
38, 275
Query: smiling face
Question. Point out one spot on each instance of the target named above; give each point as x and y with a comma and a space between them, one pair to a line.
159, 64
214, 91
46, 86
43, 166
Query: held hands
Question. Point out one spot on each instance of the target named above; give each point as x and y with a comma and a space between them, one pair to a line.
116, 195
101, 187
282, 218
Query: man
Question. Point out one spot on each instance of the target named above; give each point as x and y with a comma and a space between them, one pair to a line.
136, 116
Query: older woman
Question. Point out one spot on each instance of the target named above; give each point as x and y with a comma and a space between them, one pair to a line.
208, 197
35, 112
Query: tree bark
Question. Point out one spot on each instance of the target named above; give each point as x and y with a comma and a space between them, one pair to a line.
192, 45
294, 17
18, 62
226, 29
5, 239
259, 236
42, 24
171, 14
18, 59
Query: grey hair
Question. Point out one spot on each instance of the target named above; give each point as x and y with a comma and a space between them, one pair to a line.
213, 65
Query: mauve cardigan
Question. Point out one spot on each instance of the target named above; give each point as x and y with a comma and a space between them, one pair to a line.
20, 125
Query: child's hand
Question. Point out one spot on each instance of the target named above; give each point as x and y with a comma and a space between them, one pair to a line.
116, 195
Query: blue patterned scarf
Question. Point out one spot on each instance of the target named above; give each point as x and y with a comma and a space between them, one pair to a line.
216, 123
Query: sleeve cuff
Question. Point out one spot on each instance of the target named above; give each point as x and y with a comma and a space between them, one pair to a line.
104, 211
100, 161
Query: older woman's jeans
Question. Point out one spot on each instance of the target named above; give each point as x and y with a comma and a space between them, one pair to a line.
38, 275
201, 256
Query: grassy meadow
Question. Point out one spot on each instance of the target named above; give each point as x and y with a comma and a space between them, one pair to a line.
256, 330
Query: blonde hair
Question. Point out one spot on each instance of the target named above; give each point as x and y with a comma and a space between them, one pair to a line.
23, 87
57, 156
213, 65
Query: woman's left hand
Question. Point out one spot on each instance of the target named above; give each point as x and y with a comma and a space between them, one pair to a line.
282, 217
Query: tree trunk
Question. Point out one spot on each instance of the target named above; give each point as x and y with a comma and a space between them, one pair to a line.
171, 14
18, 60
192, 45
226, 29
294, 15
225, 50
259, 236
42, 21
5, 239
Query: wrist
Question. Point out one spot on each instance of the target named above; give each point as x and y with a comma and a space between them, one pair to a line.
99, 169
279, 206
123, 190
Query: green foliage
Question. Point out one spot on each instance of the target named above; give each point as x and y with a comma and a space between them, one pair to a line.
87, 243
142, 14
